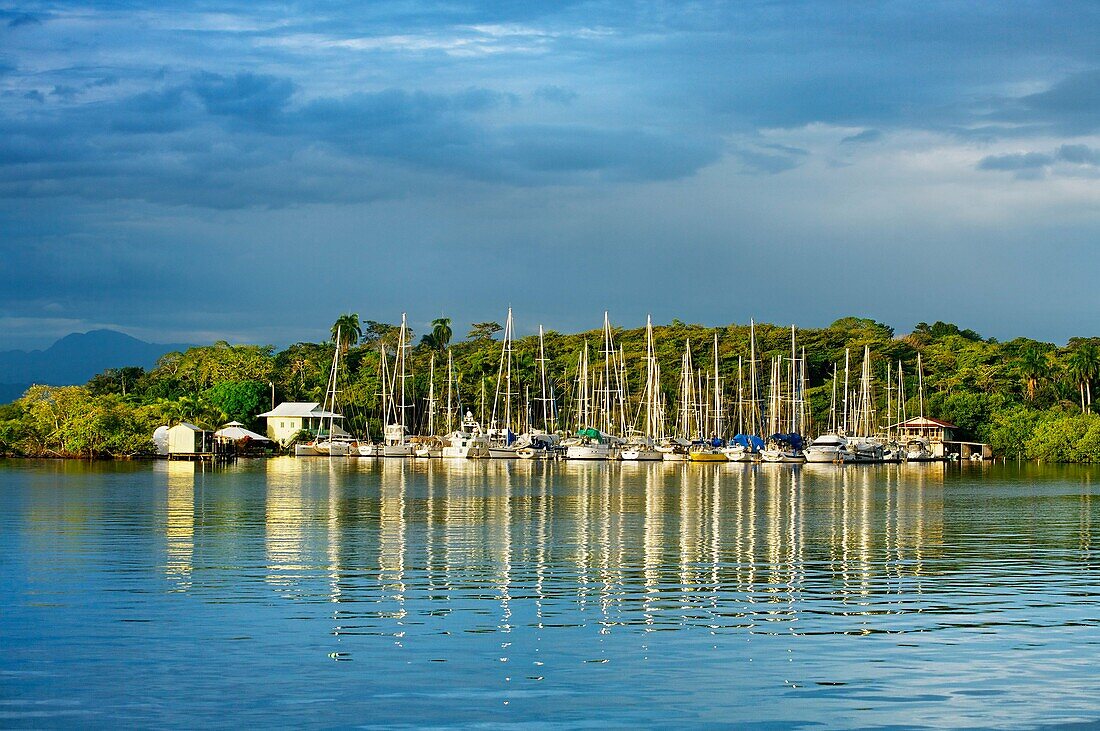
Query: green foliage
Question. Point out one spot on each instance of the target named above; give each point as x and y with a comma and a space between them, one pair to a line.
1020, 395
1066, 438
237, 400
481, 331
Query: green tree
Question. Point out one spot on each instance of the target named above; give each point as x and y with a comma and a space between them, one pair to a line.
1083, 366
483, 331
440, 336
348, 329
237, 400
1032, 367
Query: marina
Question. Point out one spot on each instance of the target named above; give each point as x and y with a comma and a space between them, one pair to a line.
768, 419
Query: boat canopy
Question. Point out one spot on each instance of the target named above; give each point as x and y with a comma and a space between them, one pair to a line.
591, 434
794, 441
749, 441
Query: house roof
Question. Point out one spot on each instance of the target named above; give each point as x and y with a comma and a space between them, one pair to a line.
188, 425
301, 409
927, 422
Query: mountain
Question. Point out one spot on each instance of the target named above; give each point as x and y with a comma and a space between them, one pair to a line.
74, 359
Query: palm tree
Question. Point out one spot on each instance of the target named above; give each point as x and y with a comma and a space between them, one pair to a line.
441, 332
349, 329
1083, 365
1033, 367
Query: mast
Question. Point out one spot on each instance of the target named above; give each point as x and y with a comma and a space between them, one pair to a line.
387, 398
740, 399
920, 382
330, 391
450, 385
504, 371
650, 382
832, 405
847, 360
401, 348
755, 412
717, 392
794, 386
542, 381
431, 398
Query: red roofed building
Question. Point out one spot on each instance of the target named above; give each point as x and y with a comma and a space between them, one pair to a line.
933, 430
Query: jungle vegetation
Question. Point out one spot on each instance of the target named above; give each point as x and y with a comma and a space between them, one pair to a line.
1028, 399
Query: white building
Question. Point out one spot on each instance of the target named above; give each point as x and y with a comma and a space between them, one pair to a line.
291, 417
188, 440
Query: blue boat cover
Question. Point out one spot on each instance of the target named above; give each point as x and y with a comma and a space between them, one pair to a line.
749, 441
794, 441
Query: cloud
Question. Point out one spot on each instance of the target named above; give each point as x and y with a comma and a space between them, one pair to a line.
245, 95
17, 19
1068, 159
555, 94
866, 136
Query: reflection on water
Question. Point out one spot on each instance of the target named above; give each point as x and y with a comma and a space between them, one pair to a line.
849, 589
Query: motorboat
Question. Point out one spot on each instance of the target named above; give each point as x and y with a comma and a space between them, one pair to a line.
827, 448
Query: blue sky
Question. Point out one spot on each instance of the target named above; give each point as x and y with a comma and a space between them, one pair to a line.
250, 170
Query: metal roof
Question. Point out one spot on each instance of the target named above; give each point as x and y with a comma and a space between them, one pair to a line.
301, 409
918, 421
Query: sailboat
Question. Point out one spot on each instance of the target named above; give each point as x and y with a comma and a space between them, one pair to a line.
862, 447
335, 442
710, 448
467, 441
918, 448
785, 446
641, 446
832, 445
541, 443
396, 442
746, 444
430, 445
501, 438
675, 448
593, 439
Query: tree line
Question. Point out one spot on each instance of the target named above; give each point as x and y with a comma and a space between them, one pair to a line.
1028, 399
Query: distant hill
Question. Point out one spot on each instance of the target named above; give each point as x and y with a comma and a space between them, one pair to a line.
74, 359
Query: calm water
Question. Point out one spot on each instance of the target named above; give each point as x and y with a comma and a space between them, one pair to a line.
335, 593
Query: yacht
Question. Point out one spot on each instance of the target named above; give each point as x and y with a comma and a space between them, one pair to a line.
827, 448
467, 442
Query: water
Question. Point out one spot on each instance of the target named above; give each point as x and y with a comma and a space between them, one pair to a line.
326, 593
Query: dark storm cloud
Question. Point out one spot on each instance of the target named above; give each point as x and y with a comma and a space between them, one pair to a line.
144, 124
253, 97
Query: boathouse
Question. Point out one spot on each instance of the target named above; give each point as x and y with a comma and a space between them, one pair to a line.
290, 417
943, 438
187, 441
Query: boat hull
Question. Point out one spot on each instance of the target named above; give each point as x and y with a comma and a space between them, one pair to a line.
589, 452
640, 454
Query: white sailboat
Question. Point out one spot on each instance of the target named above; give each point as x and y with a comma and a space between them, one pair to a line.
431, 445
641, 446
335, 442
593, 439
501, 438
785, 446
675, 448
832, 445
862, 447
541, 443
396, 442
710, 448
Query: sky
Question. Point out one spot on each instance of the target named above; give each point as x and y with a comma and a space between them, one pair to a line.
249, 170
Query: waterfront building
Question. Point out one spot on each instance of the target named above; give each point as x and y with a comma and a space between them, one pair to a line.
290, 417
